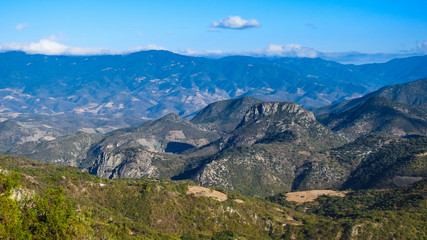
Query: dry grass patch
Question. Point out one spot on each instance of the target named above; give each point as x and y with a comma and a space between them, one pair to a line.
422, 154
304, 153
308, 196
206, 192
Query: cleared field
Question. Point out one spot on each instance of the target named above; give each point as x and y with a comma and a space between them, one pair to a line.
206, 192
308, 196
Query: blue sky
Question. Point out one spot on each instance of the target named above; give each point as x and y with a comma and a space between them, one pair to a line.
375, 30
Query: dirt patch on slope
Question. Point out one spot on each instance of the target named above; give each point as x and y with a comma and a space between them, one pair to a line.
305, 153
206, 192
422, 154
308, 196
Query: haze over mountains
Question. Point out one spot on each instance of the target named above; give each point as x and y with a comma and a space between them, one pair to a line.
45, 97
154, 83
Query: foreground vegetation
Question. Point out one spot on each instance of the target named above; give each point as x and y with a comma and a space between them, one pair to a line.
42, 201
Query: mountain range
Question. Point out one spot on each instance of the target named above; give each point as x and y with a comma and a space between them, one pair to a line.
152, 84
255, 147
45, 97
155, 145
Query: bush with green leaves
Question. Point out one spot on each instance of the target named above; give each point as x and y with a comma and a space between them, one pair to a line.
46, 216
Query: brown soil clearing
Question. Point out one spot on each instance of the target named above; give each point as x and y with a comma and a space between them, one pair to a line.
308, 196
206, 192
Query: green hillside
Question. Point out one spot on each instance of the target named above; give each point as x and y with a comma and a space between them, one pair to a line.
44, 201
123, 208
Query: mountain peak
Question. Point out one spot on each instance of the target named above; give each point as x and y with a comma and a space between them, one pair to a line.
270, 121
278, 110
224, 116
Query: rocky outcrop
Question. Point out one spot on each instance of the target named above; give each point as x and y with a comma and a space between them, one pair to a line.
67, 150
149, 150
262, 155
136, 163
125, 164
281, 122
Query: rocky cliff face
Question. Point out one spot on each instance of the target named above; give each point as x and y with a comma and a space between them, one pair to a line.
150, 150
262, 155
261, 169
281, 122
170, 133
67, 150
135, 163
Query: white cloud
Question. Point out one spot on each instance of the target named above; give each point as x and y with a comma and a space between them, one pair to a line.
50, 47
145, 48
236, 22
21, 26
288, 50
272, 50
206, 53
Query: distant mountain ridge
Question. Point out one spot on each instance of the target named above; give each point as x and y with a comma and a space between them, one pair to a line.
151, 84
412, 93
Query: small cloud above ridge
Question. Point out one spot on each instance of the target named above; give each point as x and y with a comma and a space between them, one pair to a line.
145, 48
236, 22
288, 50
49, 46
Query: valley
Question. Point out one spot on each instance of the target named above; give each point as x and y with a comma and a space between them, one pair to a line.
264, 148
